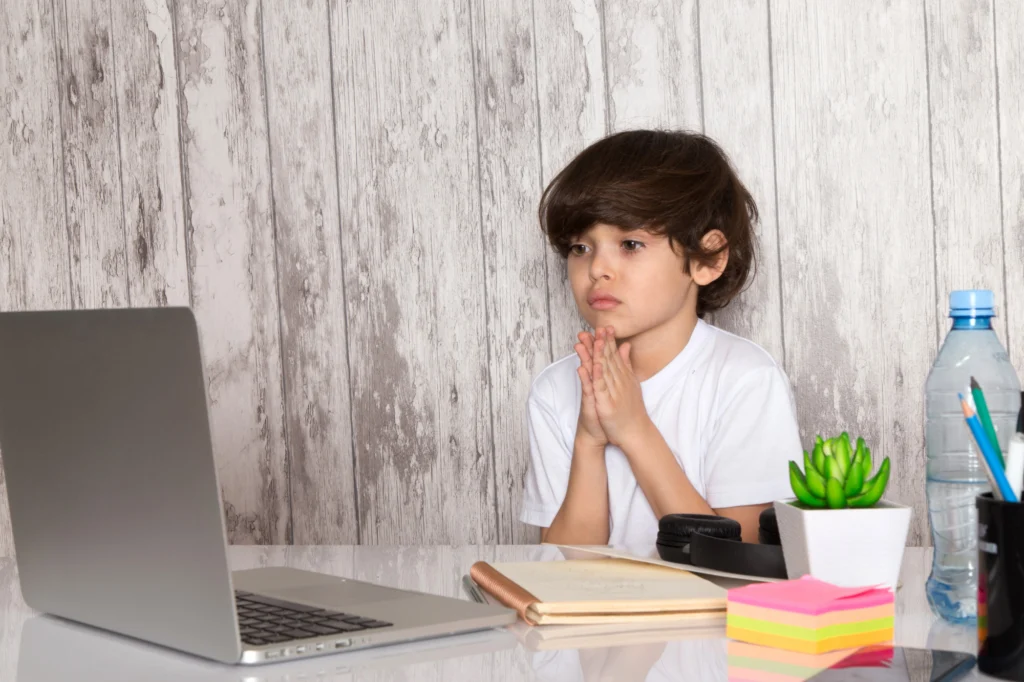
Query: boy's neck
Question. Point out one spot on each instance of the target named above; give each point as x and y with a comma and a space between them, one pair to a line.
652, 350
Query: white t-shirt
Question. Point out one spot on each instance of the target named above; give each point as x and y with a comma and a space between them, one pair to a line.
724, 407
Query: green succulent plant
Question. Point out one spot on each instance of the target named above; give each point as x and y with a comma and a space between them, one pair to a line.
836, 475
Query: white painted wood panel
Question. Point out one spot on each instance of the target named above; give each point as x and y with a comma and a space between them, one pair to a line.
1009, 23
230, 242
653, 64
851, 123
92, 162
514, 249
146, 84
736, 77
311, 280
965, 153
409, 188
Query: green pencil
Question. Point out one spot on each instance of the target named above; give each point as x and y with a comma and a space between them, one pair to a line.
986, 418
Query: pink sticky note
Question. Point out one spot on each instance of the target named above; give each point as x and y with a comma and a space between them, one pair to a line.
809, 595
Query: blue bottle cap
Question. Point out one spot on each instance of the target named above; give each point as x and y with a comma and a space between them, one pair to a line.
972, 303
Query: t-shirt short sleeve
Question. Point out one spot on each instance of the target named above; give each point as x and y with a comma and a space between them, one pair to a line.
547, 477
755, 437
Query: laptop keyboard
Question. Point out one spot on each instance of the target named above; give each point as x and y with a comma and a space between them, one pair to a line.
263, 620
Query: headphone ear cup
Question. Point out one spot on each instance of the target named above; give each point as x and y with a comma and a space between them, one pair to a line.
675, 531
716, 542
768, 530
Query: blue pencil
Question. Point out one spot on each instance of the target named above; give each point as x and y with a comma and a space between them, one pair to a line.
988, 453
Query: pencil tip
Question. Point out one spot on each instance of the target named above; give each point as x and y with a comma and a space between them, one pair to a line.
974, 385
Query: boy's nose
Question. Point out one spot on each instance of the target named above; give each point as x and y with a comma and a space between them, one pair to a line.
600, 266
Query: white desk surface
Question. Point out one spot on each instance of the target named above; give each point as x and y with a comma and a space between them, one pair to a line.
43, 649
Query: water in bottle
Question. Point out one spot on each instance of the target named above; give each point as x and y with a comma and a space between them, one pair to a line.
956, 474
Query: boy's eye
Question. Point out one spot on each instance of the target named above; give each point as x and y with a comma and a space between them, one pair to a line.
578, 249
632, 245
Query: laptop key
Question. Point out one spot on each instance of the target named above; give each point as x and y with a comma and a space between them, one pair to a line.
297, 634
342, 626
252, 640
275, 638
321, 630
377, 624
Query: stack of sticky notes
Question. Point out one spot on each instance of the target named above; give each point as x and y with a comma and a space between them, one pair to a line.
753, 663
810, 616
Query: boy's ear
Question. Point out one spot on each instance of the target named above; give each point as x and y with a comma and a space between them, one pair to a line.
704, 274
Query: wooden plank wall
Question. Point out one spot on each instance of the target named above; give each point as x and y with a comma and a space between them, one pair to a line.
345, 193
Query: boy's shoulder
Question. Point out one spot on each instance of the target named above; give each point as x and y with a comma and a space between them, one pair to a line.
738, 355
738, 364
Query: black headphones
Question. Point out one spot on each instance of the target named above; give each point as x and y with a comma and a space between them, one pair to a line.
714, 542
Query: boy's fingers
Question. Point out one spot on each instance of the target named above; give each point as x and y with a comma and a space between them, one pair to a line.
585, 357
608, 357
599, 377
624, 353
609, 376
588, 389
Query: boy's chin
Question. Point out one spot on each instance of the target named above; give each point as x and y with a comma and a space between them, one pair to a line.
623, 332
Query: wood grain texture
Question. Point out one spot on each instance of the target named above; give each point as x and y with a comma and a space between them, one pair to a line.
408, 179
653, 64
301, 129
33, 237
92, 163
146, 82
847, 96
736, 77
1009, 20
572, 110
514, 250
230, 242
965, 153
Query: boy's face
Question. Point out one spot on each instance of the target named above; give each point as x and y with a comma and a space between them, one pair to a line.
634, 281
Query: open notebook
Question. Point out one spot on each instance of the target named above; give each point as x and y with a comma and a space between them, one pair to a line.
588, 591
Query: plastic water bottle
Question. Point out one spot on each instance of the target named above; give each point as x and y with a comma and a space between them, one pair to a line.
956, 474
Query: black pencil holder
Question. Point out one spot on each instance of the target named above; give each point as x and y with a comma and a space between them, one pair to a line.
1000, 588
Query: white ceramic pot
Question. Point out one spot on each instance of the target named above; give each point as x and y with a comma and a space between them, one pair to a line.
845, 547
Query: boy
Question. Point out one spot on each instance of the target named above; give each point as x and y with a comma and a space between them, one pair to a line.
657, 412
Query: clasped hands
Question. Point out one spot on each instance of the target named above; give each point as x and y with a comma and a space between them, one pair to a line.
612, 407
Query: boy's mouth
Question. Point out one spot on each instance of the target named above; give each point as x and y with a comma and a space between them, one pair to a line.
602, 301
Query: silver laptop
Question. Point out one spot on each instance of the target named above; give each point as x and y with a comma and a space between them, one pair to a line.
116, 510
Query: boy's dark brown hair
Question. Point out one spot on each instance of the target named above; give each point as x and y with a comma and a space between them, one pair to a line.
673, 183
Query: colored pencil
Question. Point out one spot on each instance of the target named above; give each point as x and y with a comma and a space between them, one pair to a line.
1002, 489
986, 419
1015, 463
